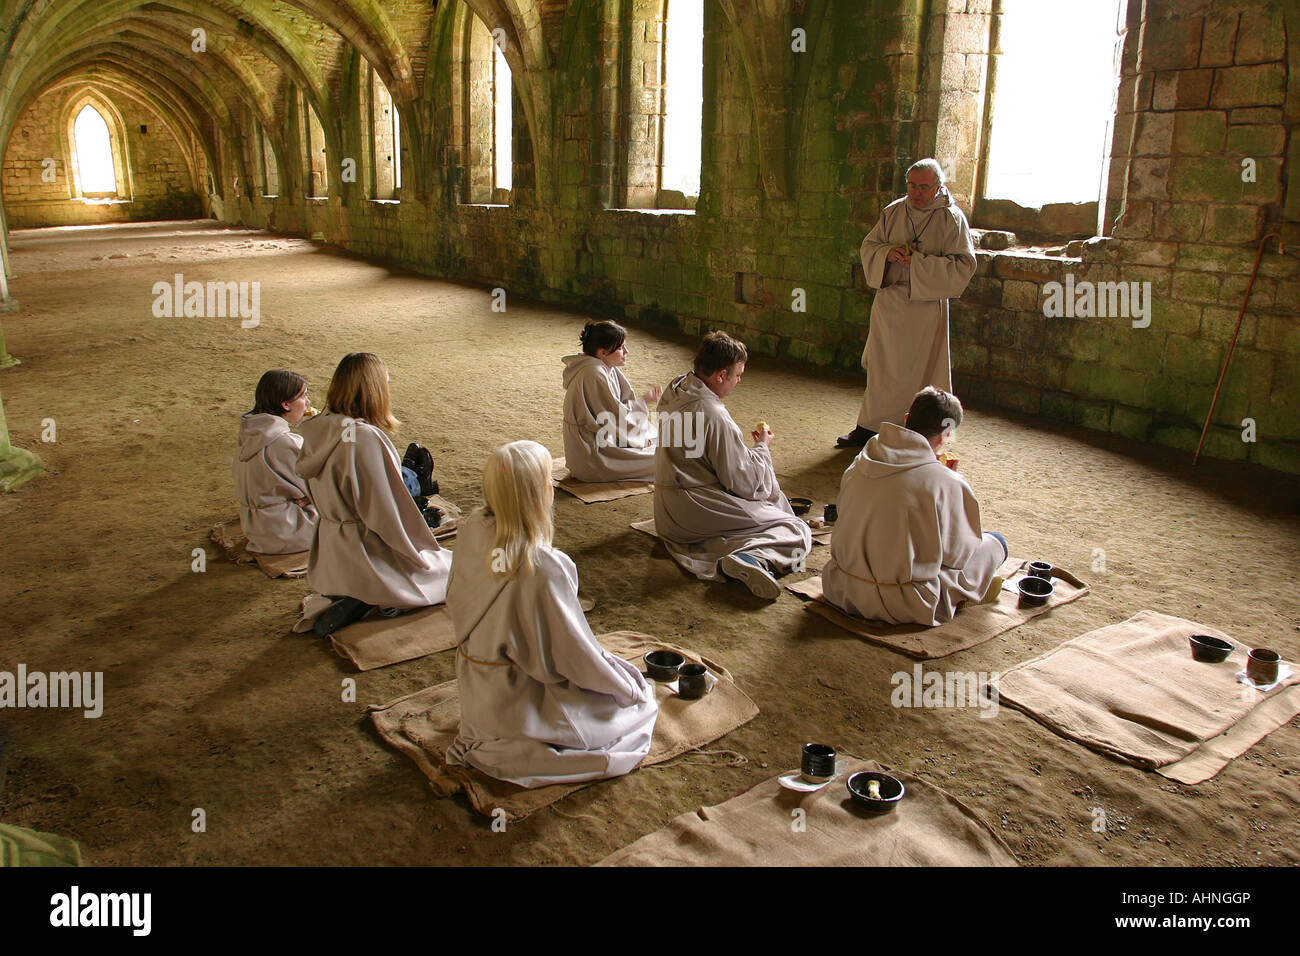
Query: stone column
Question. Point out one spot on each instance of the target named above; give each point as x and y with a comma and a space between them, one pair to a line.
17, 465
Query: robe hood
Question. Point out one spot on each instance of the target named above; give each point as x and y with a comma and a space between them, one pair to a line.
686, 390
575, 365
475, 540
894, 450
321, 435
257, 430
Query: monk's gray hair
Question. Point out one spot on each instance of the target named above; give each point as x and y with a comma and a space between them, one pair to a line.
929, 164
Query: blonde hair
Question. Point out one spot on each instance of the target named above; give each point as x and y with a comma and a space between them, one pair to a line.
359, 389
517, 491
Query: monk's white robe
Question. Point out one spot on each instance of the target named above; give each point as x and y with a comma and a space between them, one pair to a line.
908, 547
541, 701
725, 500
268, 487
371, 541
907, 345
607, 431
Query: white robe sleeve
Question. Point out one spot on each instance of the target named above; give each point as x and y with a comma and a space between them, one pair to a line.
874, 249
961, 533
282, 458
565, 649
745, 472
381, 498
945, 276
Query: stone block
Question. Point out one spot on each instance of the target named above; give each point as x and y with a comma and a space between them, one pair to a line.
1219, 37
1261, 85
1020, 296
1022, 398
1117, 385
1131, 422
1193, 360
1172, 44
1198, 132
1233, 223
1181, 221
1256, 140
1279, 456
1261, 37
1199, 287
1068, 219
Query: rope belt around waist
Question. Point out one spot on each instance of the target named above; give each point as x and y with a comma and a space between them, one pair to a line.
711, 484
475, 660
336, 521
879, 584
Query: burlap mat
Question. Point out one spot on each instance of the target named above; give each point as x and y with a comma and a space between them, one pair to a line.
757, 828
229, 537
594, 492
973, 624
424, 724
1133, 691
379, 641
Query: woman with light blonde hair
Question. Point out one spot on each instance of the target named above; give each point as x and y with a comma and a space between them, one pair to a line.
540, 701
373, 547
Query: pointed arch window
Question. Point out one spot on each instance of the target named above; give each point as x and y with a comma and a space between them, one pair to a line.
94, 154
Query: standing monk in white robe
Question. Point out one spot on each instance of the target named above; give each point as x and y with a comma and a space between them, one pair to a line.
372, 544
908, 547
918, 256
718, 505
541, 701
607, 431
275, 512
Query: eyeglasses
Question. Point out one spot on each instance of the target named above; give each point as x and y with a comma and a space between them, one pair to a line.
922, 187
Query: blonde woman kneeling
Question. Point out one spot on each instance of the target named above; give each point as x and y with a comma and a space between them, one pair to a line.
540, 701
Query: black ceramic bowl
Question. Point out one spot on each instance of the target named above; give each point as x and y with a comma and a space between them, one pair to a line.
1034, 592
663, 665
1041, 569
891, 791
800, 505
1211, 650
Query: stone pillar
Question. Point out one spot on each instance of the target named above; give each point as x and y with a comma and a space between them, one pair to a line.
17, 465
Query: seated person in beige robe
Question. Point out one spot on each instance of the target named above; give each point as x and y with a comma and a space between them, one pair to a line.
908, 547
372, 543
540, 701
608, 435
718, 506
275, 512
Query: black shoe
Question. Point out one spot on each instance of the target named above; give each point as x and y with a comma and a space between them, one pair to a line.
341, 613
433, 517
856, 438
420, 460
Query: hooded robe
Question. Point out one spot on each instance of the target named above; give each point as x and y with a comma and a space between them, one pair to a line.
371, 540
607, 431
907, 345
724, 499
541, 701
268, 486
907, 547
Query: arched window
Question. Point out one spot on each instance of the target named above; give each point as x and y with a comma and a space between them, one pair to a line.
314, 142
502, 121
683, 102
94, 152
386, 140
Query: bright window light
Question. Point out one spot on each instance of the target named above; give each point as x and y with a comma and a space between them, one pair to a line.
94, 152
502, 120
683, 96
1048, 140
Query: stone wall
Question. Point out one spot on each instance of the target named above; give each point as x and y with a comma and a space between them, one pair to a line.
161, 184
802, 148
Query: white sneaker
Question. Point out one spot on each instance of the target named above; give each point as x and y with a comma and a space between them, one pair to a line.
746, 569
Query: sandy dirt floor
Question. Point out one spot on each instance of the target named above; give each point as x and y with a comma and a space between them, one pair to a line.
212, 703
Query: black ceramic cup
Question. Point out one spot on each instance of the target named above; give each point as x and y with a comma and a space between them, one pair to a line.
830, 514
663, 665
1041, 569
1262, 665
818, 762
692, 681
